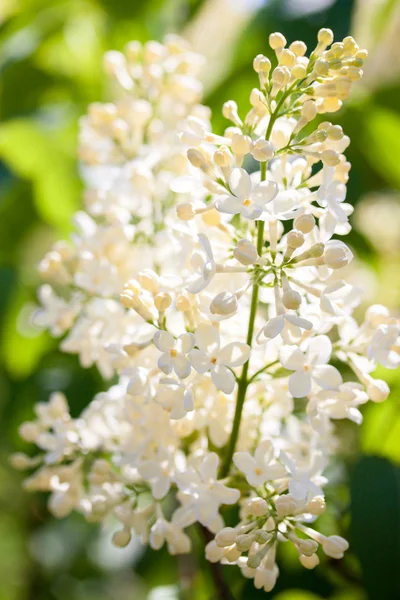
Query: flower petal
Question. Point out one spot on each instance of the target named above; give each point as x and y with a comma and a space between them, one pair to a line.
160, 487
273, 327
264, 452
327, 376
223, 378
181, 366
208, 467
240, 183
207, 338
319, 350
292, 358
163, 340
244, 461
200, 360
234, 354
299, 384
264, 192
228, 204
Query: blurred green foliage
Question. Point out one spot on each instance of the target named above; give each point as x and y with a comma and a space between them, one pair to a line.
50, 65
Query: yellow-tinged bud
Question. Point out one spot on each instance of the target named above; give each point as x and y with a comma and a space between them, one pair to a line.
298, 48
309, 562
162, 301
309, 110
295, 239
212, 217
325, 36
291, 299
261, 64
196, 158
262, 150
185, 211
241, 144
230, 112
335, 132
299, 71
121, 538
330, 158
305, 223
321, 67
287, 58
277, 41
222, 157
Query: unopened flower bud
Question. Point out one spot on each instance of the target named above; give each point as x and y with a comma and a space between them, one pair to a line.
307, 547
222, 157
232, 554
287, 58
291, 299
213, 552
262, 150
226, 536
321, 67
261, 64
185, 211
162, 301
245, 252
148, 281
299, 48
121, 538
20, 461
244, 541
224, 304
378, 390
295, 239
334, 546
309, 110
325, 36
330, 158
304, 223
337, 254
316, 506
241, 144
253, 562
309, 562
196, 158
277, 41
230, 112
258, 507
212, 217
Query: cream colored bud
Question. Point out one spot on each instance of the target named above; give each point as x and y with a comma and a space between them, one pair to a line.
182, 303
335, 132
262, 536
224, 304
121, 538
337, 255
257, 99
287, 58
185, 211
245, 252
307, 547
335, 64
378, 390
20, 461
162, 301
277, 41
148, 280
309, 562
316, 251
325, 36
354, 73
244, 542
298, 48
304, 223
350, 45
212, 217
262, 150
133, 50
330, 158
309, 110
258, 507
316, 506
230, 112
362, 54
320, 135
261, 64
321, 67
196, 158
299, 71
213, 552
254, 561
222, 157
334, 546
241, 144
226, 537
291, 299
295, 239
281, 76
232, 554
29, 431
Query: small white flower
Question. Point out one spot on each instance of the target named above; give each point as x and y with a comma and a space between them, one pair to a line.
245, 199
301, 483
310, 366
290, 322
385, 345
174, 353
205, 493
210, 357
262, 466
342, 403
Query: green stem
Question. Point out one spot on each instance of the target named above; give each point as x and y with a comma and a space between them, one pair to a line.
243, 381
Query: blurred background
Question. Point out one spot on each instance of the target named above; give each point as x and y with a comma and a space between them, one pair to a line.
51, 68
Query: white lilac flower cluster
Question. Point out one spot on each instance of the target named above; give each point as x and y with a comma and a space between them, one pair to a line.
204, 276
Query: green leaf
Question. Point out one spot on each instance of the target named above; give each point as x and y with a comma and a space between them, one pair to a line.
382, 143
33, 153
375, 525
